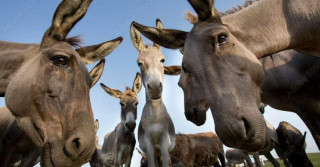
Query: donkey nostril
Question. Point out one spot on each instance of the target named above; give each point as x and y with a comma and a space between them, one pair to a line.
247, 127
160, 86
131, 125
76, 143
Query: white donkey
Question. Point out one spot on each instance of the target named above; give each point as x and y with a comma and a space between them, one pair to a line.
156, 133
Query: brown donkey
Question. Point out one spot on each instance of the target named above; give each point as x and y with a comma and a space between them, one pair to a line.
195, 150
15, 144
293, 143
96, 159
46, 87
156, 133
222, 55
118, 145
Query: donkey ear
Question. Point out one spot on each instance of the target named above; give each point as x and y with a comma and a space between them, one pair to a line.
137, 84
173, 39
96, 125
90, 54
301, 143
205, 10
110, 91
136, 39
68, 13
172, 70
96, 72
261, 108
181, 51
159, 25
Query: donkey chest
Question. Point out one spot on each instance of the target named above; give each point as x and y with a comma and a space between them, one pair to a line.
125, 150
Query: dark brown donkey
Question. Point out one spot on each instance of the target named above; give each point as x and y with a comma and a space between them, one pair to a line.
47, 85
293, 143
222, 55
118, 145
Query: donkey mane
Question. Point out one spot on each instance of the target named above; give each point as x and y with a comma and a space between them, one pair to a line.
129, 92
75, 41
237, 8
192, 18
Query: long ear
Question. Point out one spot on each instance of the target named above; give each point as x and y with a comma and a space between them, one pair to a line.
136, 39
261, 108
96, 72
68, 13
111, 92
96, 125
159, 25
302, 141
137, 84
90, 54
168, 38
172, 70
205, 10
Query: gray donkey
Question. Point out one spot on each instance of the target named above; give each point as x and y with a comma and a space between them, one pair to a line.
156, 133
118, 146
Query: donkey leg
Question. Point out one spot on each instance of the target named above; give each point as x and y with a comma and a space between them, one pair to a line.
248, 160
150, 152
5, 156
118, 157
165, 151
256, 159
31, 158
272, 160
312, 123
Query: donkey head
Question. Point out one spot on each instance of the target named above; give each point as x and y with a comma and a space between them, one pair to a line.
293, 144
151, 61
226, 72
128, 102
49, 94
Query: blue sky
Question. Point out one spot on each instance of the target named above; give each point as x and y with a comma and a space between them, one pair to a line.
25, 21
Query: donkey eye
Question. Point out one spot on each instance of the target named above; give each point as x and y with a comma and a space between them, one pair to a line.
136, 104
139, 64
122, 104
222, 39
60, 60
162, 60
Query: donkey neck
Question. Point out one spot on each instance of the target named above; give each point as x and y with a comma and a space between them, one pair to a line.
12, 56
155, 105
270, 26
153, 102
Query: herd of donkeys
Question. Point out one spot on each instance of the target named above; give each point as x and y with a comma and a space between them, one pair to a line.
230, 65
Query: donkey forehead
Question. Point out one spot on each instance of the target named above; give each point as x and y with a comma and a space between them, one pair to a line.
149, 54
208, 28
128, 97
65, 49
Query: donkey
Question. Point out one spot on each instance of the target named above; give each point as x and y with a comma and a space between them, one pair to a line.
195, 150
222, 55
293, 143
96, 159
118, 145
46, 87
156, 133
236, 156
15, 144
